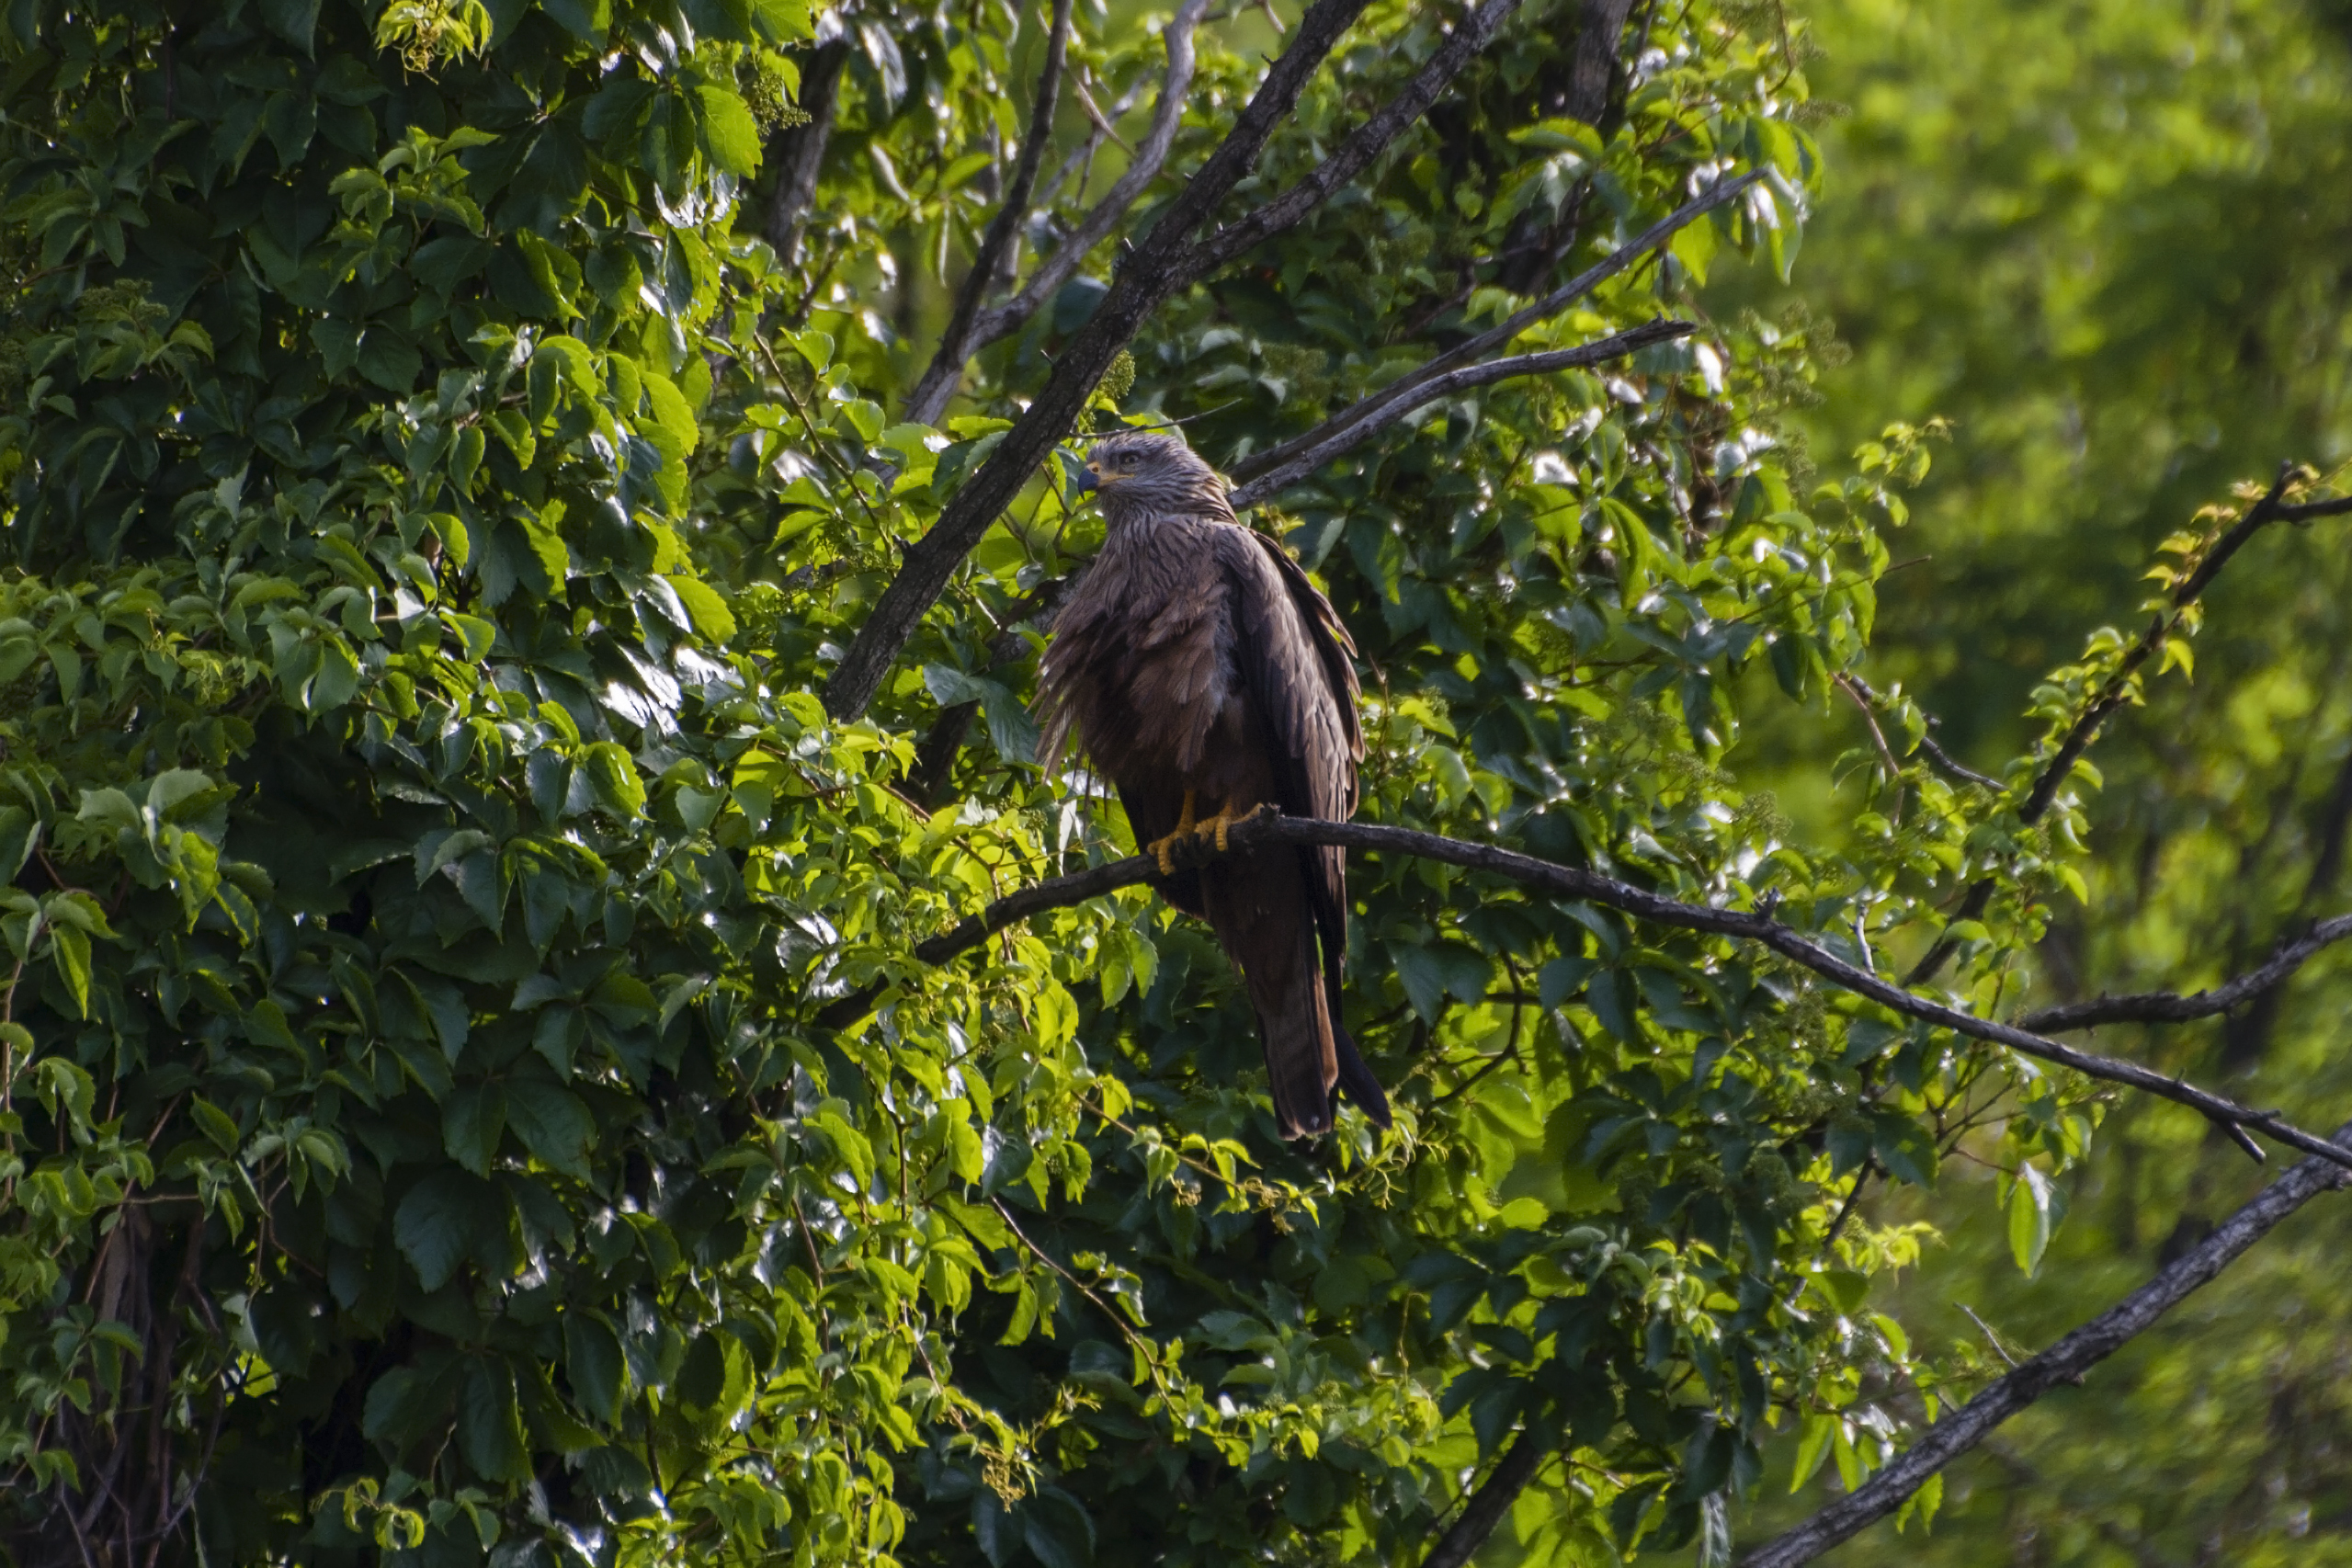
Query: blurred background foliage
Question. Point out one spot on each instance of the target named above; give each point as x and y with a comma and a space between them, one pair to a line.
2108, 240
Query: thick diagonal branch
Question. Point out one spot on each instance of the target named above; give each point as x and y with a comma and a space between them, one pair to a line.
1488, 1505
2170, 1007
1406, 389
2117, 689
2064, 1362
1429, 390
939, 382
1575, 883
1164, 262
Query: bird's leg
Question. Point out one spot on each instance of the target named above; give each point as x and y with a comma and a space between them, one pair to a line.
1164, 849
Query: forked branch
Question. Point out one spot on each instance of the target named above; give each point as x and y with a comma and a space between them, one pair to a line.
988, 324
996, 251
1406, 389
1575, 883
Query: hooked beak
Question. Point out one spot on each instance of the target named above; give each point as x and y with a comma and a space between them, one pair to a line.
1088, 480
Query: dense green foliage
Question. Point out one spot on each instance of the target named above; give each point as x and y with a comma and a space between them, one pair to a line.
2107, 241
469, 1085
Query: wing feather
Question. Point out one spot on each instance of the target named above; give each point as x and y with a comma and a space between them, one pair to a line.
1293, 659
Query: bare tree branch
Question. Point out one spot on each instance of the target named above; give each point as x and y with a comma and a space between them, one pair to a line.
1488, 1503
996, 251
2271, 508
798, 151
1408, 386
2064, 1362
1163, 263
1573, 882
2170, 1007
1953, 766
1429, 390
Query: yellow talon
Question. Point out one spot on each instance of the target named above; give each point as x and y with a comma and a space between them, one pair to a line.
1164, 849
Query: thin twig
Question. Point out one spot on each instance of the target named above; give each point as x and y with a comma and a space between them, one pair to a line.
1958, 770
1854, 690
1427, 390
1575, 883
2064, 1362
1135, 1341
2117, 688
1471, 350
2171, 1007
1990, 1337
1145, 167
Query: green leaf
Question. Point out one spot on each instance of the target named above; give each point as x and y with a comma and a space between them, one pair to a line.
612, 774
434, 1226
2029, 1218
594, 1366
713, 619
407, 1403
1422, 976
71, 949
1905, 1148
490, 1422
215, 1124
294, 20
730, 135
472, 1121
553, 1124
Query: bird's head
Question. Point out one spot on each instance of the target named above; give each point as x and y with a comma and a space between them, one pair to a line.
1152, 473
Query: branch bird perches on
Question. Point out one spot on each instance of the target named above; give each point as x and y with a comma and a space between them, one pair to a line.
1573, 882
2328, 1168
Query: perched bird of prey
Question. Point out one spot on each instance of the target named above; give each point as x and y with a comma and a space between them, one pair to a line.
1205, 676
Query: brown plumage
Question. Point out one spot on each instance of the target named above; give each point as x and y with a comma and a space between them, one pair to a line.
1205, 676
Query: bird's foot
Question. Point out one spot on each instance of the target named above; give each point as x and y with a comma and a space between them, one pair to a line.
1164, 849
1218, 826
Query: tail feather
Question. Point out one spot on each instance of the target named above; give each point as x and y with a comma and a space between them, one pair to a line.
1294, 1030
1258, 906
1356, 1079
